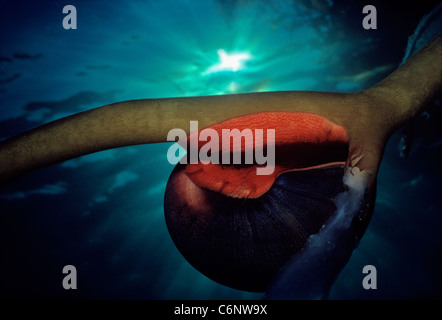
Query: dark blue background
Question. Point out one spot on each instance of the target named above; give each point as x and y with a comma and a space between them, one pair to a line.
103, 213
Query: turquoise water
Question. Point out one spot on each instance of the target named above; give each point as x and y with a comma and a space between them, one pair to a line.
103, 213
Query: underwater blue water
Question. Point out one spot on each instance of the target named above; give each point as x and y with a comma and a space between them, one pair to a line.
103, 213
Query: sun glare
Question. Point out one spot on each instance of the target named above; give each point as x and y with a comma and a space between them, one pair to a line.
232, 62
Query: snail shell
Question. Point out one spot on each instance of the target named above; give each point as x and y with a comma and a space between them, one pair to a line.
242, 241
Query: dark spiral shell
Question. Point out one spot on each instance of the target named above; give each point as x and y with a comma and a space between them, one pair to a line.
242, 243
